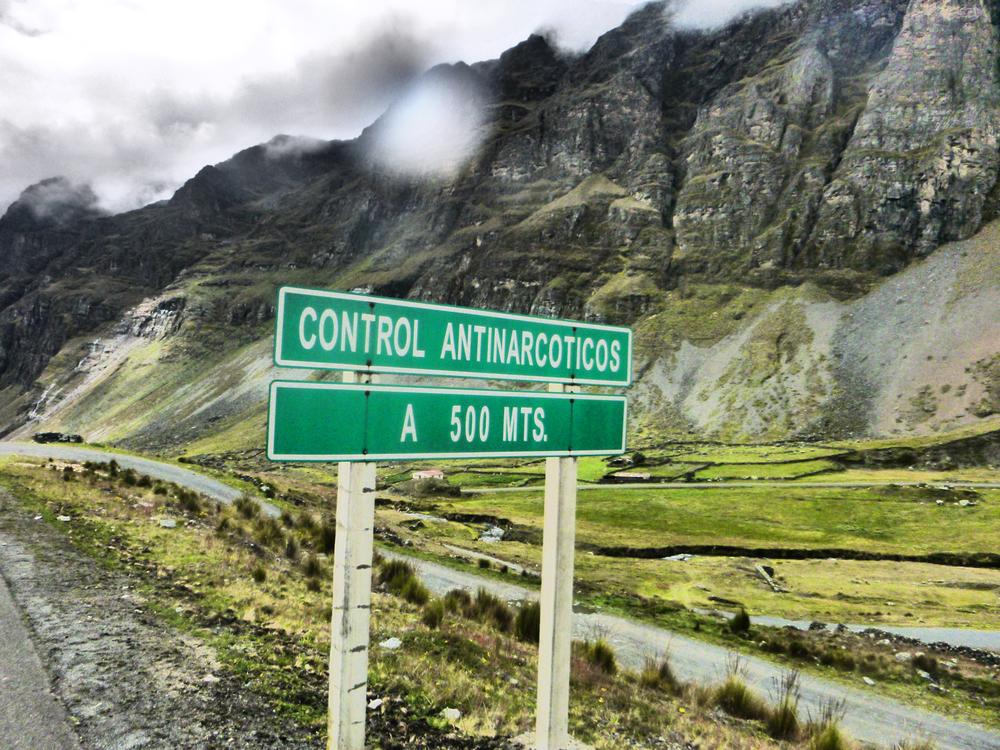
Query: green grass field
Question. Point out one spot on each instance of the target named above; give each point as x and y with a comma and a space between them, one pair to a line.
783, 470
905, 520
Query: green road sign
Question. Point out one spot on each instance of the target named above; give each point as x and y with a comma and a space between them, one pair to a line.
350, 422
319, 329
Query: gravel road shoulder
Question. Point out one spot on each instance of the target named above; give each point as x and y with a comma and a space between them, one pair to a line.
127, 680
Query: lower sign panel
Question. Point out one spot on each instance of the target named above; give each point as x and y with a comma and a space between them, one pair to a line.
347, 422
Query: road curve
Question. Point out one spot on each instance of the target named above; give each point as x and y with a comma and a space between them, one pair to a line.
870, 718
200, 483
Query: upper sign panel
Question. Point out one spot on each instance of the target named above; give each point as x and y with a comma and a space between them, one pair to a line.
340, 331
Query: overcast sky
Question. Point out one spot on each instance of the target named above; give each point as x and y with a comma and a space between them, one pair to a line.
134, 96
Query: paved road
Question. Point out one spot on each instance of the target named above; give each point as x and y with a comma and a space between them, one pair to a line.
30, 716
870, 718
783, 483
207, 486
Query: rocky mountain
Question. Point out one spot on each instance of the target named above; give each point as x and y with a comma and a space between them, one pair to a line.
796, 213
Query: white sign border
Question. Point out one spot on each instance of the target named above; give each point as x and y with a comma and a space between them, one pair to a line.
369, 457
538, 320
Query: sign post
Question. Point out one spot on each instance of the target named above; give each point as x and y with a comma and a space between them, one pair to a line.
352, 594
556, 630
359, 422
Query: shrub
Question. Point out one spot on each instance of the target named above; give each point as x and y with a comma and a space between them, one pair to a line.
400, 579
68, 474
415, 592
259, 573
223, 526
783, 723
394, 571
326, 538
484, 564
128, 476
159, 489
189, 501
491, 610
528, 622
144, 481
312, 567
599, 654
313, 584
247, 507
268, 533
740, 624
113, 468
307, 522
659, 675
457, 601
798, 648
288, 519
291, 548
433, 614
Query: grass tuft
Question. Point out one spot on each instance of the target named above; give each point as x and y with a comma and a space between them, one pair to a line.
491, 610
433, 614
528, 622
259, 573
736, 698
740, 624
246, 507
783, 723
599, 654
658, 674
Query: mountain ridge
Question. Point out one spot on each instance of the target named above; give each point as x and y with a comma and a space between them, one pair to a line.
718, 190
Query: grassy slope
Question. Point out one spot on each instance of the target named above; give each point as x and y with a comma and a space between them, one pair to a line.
279, 638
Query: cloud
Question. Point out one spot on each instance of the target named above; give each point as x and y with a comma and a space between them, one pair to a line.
134, 96
433, 129
706, 14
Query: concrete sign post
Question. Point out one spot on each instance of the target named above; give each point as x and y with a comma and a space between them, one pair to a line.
352, 595
359, 422
556, 600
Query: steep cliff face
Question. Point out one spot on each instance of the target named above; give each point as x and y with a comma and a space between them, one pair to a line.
922, 163
729, 193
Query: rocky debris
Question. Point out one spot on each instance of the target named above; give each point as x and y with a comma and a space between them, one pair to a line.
768, 578
986, 658
390, 644
492, 535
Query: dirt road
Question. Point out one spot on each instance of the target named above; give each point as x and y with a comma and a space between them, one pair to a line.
869, 717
